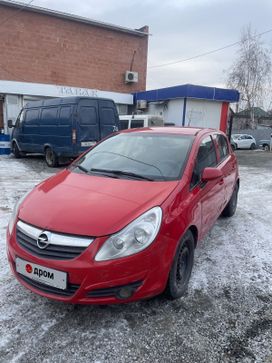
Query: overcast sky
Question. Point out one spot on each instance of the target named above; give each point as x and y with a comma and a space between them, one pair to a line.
180, 29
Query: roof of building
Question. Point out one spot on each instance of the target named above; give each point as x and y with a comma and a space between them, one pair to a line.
189, 91
59, 14
258, 112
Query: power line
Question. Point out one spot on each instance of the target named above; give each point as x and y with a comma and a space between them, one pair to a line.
18, 11
207, 53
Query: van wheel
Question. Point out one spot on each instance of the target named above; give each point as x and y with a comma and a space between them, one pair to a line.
15, 150
181, 268
51, 157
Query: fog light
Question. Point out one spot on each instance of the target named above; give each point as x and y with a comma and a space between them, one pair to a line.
124, 293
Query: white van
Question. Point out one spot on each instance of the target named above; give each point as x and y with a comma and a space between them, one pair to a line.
135, 121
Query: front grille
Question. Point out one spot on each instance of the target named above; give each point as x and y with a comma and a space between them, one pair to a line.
52, 251
113, 291
69, 291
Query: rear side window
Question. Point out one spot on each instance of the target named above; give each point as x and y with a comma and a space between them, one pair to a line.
88, 115
222, 146
31, 116
136, 123
206, 157
49, 116
123, 124
107, 116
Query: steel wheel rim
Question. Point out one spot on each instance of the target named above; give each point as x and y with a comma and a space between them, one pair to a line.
182, 270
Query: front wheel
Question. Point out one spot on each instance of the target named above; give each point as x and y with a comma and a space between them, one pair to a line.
252, 146
15, 150
181, 268
230, 208
51, 158
266, 147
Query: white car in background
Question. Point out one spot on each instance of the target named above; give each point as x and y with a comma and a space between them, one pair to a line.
243, 141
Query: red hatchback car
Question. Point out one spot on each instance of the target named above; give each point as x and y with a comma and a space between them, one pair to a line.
121, 222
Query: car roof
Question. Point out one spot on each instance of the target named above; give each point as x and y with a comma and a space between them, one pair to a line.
172, 130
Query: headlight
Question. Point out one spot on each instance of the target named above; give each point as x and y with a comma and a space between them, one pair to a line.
15, 212
134, 238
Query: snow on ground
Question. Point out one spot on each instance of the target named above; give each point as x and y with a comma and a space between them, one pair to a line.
225, 317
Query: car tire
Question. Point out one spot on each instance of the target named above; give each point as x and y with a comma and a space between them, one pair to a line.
15, 150
181, 267
252, 146
234, 147
51, 157
230, 208
266, 147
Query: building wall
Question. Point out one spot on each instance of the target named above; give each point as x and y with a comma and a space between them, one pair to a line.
46, 49
203, 113
171, 111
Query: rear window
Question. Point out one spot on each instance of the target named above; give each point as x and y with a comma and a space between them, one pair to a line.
64, 116
88, 115
107, 116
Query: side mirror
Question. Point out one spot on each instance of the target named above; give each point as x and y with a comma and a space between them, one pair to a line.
211, 174
10, 124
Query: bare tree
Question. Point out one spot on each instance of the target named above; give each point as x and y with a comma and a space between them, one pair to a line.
251, 72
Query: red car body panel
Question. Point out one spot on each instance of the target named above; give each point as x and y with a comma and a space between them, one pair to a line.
104, 205
99, 206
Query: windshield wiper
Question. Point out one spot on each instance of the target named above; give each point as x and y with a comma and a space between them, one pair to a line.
121, 172
81, 168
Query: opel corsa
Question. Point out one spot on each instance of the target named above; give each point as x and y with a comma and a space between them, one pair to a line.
121, 222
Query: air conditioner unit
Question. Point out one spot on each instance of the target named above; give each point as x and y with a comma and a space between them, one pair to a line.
141, 104
131, 77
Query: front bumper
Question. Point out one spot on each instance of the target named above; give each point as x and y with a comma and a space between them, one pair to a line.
144, 274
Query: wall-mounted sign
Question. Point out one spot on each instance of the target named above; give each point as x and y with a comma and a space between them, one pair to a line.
74, 91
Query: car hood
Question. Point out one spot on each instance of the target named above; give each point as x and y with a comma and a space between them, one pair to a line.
90, 205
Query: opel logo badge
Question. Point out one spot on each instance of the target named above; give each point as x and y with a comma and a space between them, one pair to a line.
43, 241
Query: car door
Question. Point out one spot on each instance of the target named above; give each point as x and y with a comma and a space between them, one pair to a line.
209, 195
227, 164
108, 117
88, 126
243, 142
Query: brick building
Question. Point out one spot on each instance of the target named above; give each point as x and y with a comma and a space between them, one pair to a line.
45, 53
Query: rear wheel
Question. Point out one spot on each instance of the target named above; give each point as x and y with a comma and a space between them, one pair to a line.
232, 204
51, 157
181, 268
266, 147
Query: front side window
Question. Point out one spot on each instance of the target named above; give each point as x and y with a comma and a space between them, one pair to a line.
20, 118
206, 157
146, 155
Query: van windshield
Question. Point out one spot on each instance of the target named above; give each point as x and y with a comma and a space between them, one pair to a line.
138, 155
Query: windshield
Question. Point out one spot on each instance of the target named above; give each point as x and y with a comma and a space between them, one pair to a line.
138, 155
